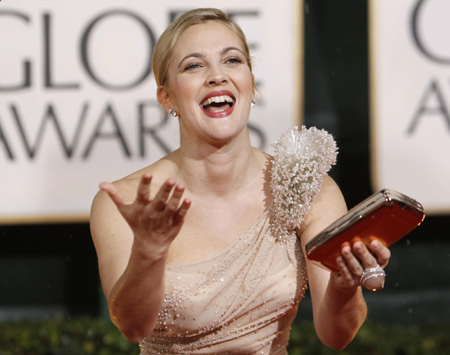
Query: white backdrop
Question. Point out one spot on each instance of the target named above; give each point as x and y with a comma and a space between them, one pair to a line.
78, 103
410, 99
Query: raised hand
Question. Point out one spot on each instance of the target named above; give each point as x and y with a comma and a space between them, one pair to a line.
154, 222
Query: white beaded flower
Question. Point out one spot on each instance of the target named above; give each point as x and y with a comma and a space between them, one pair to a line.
301, 159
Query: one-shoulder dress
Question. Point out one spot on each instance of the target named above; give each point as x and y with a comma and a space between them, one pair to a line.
244, 300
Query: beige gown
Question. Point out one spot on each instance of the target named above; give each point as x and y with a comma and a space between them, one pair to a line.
241, 301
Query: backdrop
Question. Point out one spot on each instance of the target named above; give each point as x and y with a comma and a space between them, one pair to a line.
410, 99
78, 100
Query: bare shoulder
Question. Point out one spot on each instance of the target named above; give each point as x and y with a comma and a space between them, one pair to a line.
160, 170
330, 196
110, 232
328, 206
112, 238
105, 215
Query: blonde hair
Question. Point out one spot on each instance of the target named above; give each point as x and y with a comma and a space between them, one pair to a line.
166, 43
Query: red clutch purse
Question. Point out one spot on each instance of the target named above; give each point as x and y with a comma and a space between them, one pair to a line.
386, 216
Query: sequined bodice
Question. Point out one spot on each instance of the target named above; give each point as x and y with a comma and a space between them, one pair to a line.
244, 300
240, 302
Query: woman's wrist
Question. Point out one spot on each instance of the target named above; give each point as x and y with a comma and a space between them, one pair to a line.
149, 252
342, 299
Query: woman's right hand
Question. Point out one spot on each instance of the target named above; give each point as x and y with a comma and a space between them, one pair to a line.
154, 222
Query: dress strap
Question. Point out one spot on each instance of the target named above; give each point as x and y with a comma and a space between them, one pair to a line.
302, 157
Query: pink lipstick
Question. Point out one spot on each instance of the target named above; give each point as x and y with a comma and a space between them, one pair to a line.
215, 103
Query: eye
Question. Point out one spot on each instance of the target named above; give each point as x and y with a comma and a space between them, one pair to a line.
192, 66
233, 60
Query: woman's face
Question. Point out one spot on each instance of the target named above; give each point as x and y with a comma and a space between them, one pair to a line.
210, 83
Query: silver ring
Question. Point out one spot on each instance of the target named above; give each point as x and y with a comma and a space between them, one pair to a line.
370, 273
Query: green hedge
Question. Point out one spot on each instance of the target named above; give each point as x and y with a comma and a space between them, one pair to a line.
60, 337
376, 339
96, 336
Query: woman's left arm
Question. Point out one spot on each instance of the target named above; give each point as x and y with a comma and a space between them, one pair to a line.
339, 308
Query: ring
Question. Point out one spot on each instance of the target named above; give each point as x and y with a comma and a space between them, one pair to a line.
370, 273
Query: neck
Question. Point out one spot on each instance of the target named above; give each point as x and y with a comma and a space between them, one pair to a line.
218, 169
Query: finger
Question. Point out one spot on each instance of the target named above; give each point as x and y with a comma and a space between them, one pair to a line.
159, 202
143, 193
353, 263
174, 201
382, 253
366, 257
344, 270
114, 193
178, 217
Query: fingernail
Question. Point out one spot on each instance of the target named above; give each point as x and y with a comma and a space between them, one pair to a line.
358, 245
375, 244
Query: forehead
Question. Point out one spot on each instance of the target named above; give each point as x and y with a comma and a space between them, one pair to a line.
204, 37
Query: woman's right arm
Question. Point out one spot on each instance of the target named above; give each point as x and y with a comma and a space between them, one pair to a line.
132, 242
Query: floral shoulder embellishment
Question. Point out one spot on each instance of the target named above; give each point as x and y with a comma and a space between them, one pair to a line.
302, 157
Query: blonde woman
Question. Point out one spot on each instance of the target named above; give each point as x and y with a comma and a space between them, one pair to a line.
189, 256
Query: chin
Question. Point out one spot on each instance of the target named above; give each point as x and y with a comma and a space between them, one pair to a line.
226, 133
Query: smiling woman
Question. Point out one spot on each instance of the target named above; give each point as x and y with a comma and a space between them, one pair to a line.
208, 62
208, 259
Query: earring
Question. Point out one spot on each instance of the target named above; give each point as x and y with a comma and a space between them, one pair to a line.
173, 112
253, 102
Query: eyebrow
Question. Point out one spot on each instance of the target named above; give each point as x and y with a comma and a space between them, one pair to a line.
202, 55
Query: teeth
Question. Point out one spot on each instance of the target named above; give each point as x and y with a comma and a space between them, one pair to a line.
218, 99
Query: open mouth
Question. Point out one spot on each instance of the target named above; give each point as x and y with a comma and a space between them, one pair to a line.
218, 104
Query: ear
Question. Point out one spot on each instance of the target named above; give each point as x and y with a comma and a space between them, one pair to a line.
164, 98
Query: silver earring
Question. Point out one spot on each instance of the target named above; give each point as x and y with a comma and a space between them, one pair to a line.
173, 112
253, 102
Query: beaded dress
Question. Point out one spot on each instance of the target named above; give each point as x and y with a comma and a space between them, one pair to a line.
244, 300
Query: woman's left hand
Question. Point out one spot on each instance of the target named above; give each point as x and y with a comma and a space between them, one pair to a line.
356, 258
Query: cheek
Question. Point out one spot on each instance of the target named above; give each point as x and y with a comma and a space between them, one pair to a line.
185, 90
248, 84
247, 80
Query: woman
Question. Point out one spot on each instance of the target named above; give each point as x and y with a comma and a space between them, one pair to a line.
214, 277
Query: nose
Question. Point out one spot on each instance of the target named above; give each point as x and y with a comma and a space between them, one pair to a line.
217, 77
